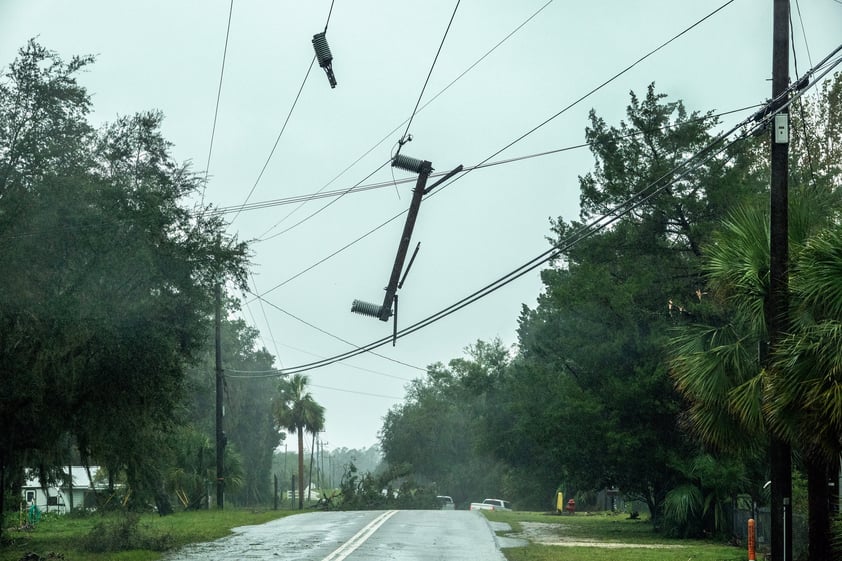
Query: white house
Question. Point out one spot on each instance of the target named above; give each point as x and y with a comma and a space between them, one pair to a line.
57, 498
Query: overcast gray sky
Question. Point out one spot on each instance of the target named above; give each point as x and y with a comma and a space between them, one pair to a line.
167, 54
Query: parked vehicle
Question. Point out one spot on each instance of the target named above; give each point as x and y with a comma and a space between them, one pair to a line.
446, 502
492, 504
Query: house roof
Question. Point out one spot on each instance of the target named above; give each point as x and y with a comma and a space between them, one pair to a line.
80, 478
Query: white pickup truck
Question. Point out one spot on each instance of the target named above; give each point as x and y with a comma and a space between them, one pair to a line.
492, 504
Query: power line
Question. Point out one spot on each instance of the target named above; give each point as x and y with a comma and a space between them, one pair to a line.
286, 121
360, 188
266, 320
803, 32
390, 133
559, 113
586, 231
308, 217
277, 140
218, 97
430, 73
354, 366
320, 330
749, 126
467, 169
329, 13
311, 215
596, 89
264, 374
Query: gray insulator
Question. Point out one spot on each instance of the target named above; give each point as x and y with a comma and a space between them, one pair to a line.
322, 49
366, 308
407, 163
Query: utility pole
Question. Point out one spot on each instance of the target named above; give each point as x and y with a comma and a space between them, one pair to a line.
220, 434
780, 454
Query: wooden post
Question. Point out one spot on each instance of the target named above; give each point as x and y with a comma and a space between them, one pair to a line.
778, 299
220, 434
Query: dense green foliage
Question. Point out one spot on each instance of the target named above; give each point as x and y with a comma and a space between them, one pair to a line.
248, 423
108, 279
437, 431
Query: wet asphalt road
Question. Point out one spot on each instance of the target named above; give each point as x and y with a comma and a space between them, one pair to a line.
408, 535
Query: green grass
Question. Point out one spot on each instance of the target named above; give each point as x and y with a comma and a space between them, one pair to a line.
66, 534
618, 529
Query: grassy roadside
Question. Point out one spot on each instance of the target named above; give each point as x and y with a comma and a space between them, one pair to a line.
602, 537
152, 534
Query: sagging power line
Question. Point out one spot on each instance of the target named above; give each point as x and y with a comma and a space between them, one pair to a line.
748, 127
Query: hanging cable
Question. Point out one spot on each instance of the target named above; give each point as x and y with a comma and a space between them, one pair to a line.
585, 96
324, 207
427, 80
468, 169
359, 188
390, 133
352, 366
216, 107
356, 189
801, 105
320, 330
277, 140
803, 33
748, 126
266, 321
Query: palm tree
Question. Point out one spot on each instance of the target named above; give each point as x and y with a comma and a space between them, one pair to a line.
808, 393
797, 395
296, 410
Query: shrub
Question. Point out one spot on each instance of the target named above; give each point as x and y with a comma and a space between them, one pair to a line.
122, 533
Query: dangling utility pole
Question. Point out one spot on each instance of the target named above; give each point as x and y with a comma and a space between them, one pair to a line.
780, 454
220, 434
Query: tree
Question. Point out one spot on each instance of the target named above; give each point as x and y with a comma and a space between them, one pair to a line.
296, 410
108, 279
249, 424
436, 432
716, 365
734, 400
590, 392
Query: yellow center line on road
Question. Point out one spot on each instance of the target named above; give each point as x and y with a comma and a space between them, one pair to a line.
360, 537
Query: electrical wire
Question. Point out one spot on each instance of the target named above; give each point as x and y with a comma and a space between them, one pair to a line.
218, 97
354, 366
320, 330
264, 374
801, 105
572, 104
277, 140
329, 13
750, 125
359, 188
430, 73
266, 321
467, 169
803, 33
390, 133
324, 207
286, 122
593, 91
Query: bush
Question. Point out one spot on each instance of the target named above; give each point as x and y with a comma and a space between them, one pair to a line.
122, 533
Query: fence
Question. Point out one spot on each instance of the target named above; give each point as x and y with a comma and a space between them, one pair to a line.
763, 523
